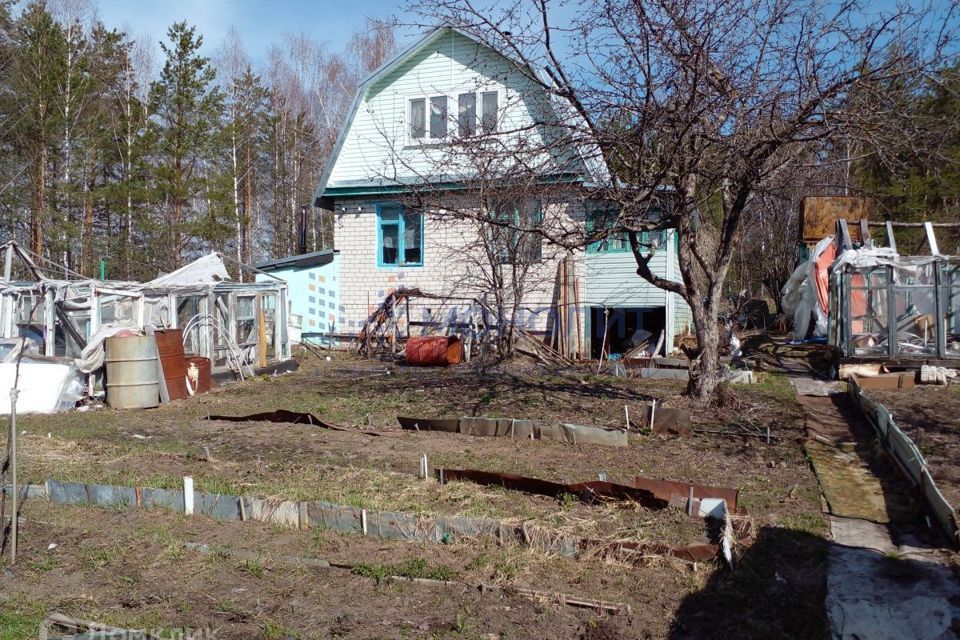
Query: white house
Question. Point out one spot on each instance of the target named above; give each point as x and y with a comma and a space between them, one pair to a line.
395, 175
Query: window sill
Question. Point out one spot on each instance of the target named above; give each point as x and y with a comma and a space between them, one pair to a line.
406, 265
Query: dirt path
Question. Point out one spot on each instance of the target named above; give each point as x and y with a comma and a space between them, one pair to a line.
887, 576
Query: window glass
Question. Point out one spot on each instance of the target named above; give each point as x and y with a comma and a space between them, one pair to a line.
438, 117
412, 237
488, 106
467, 110
390, 243
418, 115
513, 244
401, 236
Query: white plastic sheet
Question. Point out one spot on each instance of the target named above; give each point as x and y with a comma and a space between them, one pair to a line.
206, 270
45, 387
800, 295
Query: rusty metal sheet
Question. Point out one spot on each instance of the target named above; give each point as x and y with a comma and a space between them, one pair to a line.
450, 425
819, 215
667, 489
593, 491
282, 415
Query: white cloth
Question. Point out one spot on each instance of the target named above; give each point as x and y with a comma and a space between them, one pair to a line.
94, 354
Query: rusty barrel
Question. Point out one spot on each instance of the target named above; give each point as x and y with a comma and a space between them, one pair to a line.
170, 347
132, 380
204, 373
427, 351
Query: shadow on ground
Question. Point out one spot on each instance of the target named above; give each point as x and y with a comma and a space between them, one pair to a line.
777, 591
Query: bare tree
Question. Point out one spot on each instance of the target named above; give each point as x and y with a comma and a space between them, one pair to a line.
700, 106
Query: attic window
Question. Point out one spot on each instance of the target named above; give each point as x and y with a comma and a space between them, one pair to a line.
488, 111
418, 118
428, 127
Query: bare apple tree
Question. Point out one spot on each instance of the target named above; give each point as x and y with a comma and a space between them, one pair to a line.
702, 104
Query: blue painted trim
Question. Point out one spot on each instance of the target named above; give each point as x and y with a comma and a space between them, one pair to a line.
595, 247
401, 248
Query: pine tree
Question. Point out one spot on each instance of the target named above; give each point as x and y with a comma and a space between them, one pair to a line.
186, 108
37, 73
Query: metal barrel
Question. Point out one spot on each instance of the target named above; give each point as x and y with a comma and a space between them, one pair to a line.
434, 350
173, 362
132, 378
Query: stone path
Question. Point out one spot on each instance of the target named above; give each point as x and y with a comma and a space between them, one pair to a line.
887, 578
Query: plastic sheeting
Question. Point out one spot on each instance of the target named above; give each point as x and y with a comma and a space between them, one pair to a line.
206, 270
802, 295
94, 354
510, 428
44, 387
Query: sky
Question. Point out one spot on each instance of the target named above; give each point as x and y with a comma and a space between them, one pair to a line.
259, 22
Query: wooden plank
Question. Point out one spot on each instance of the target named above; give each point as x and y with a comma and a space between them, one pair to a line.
261, 334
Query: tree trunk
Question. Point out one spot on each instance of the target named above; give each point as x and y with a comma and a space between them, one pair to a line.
87, 259
705, 367
236, 198
40, 202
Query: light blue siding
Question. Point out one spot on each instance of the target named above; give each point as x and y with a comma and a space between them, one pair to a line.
314, 293
377, 147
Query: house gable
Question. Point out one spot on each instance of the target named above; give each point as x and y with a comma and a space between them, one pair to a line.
374, 152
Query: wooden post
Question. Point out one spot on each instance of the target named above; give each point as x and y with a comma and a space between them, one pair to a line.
603, 345
261, 334
576, 308
49, 325
188, 495
14, 524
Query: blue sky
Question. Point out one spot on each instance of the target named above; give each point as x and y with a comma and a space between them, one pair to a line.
260, 22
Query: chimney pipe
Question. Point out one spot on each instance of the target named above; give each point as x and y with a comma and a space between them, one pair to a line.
303, 229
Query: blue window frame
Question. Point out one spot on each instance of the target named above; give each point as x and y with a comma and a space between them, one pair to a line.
399, 236
605, 219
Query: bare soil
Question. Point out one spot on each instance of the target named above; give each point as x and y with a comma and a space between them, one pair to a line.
930, 416
373, 465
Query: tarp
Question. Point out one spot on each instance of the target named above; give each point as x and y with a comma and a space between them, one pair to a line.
206, 270
802, 294
45, 387
510, 428
94, 354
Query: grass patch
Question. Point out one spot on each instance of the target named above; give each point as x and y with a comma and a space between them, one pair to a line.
770, 383
807, 522
47, 563
20, 620
273, 630
413, 568
253, 566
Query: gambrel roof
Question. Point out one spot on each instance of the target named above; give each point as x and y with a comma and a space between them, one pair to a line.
593, 168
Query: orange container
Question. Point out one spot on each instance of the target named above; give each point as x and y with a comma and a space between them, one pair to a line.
425, 351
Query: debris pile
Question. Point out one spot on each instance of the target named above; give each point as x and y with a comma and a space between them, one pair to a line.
134, 344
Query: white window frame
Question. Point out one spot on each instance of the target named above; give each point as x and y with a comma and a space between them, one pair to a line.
453, 115
426, 139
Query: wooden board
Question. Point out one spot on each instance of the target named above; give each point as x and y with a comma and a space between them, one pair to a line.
819, 215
